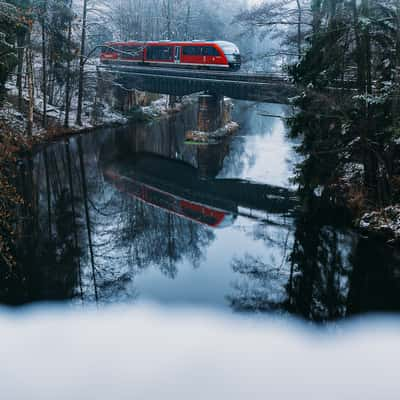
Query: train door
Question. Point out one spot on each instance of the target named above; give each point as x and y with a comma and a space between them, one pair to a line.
210, 55
192, 55
177, 57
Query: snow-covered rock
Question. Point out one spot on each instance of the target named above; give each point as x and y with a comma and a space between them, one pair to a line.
385, 222
209, 137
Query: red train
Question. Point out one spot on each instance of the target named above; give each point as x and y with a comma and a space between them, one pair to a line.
195, 54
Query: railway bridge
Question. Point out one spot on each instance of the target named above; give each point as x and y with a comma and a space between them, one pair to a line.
269, 88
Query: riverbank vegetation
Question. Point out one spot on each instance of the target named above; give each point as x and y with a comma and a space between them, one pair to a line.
348, 118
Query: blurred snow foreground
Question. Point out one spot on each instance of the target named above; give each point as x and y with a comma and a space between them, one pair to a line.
149, 353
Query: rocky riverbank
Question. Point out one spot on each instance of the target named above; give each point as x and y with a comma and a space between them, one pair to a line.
349, 192
385, 223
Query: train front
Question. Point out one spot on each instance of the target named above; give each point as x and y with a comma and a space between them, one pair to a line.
232, 54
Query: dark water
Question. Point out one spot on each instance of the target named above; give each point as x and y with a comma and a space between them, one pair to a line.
135, 214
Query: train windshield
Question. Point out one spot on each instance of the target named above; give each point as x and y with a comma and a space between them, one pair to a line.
228, 48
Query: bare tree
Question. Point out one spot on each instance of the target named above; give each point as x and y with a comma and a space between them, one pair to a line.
68, 78
82, 64
276, 19
31, 94
43, 15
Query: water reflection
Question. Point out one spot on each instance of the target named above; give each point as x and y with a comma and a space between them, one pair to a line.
177, 188
320, 268
135, 213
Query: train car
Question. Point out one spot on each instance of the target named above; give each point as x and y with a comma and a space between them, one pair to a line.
194, 54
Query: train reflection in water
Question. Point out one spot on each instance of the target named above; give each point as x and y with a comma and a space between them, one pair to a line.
197, 212
176, 187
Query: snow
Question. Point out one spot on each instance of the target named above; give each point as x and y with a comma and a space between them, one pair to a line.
151, 353
352, 172
385, 222
319, 190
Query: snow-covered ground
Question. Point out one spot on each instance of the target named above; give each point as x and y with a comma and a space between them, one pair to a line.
151, 353
12, 118
96, 112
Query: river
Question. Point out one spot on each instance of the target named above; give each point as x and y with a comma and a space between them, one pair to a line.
135, 214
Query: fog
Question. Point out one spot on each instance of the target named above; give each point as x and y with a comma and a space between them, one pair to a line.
151, 353
126, 20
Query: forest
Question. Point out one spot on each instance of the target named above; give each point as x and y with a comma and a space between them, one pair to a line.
349, 108
345, 57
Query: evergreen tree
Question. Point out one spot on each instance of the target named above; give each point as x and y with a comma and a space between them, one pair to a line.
9, 21
349, 109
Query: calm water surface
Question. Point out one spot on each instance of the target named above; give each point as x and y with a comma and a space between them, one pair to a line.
135, 214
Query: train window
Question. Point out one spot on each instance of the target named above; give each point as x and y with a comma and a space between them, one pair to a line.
210, 51
192, 51
159, 53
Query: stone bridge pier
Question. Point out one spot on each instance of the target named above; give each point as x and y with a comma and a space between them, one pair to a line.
125, 94
210, 112
213, 118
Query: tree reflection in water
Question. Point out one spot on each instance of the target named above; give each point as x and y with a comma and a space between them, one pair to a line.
328, 273
311, 279
321, 268
138, 237
262, 287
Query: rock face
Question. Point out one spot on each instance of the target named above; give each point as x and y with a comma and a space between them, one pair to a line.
385, 222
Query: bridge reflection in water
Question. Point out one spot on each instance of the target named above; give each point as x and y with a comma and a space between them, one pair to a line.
160, 169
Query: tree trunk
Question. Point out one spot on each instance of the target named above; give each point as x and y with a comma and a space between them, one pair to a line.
367, 49
74, 218
299, 22
46, 167
20, 66
187, 23
82, 64
31, 94
44, 66
316, 16
68, 80
358, 52
169, 32
87, 215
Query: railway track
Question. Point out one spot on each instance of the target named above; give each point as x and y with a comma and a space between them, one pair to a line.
198, 74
